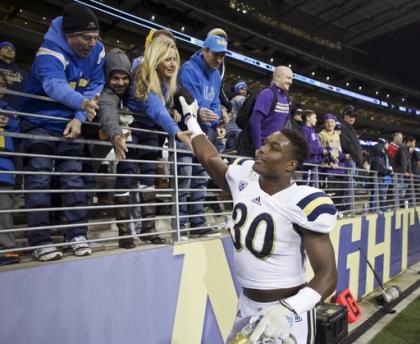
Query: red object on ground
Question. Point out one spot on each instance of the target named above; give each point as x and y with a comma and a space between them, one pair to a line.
346, 298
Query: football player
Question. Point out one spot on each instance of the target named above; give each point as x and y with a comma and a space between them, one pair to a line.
275, 224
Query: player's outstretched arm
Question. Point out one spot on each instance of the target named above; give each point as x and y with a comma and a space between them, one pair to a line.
204, 150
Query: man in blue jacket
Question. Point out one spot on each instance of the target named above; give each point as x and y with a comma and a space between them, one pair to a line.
200, 75
68, 68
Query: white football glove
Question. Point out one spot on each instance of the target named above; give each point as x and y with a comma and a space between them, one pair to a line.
189, 114
277, 323
188, 110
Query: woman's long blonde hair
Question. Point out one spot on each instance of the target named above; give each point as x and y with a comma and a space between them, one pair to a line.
147, 79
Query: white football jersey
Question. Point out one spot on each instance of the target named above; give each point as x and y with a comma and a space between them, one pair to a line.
269, 251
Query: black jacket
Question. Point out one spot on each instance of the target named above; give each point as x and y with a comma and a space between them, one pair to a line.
380, 160
402, 161
350, 143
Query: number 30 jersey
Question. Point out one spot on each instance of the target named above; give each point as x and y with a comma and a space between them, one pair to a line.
269, 251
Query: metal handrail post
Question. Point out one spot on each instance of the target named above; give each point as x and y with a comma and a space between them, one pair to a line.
395, 192
352, 191
376, 190
176, 235
316, 176
413, 192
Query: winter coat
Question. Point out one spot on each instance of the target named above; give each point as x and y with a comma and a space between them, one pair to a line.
57, 72
110, 103
350, 143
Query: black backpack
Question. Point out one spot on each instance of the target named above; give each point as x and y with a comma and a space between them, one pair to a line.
244, 114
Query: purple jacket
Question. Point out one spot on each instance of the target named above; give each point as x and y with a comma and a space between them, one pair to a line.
262, 122
315, 148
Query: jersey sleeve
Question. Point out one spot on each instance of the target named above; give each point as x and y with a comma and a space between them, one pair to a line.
237, 175
315, 211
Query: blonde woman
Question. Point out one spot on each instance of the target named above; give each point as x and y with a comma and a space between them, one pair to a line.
149, 100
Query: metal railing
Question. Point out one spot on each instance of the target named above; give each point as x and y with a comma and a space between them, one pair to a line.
354, 191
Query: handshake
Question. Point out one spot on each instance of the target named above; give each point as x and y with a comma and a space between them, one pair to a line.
186, 105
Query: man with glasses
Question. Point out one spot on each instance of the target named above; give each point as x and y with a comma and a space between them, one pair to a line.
200, 75
68, 68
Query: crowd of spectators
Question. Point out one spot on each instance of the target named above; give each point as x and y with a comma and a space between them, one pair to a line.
89, 85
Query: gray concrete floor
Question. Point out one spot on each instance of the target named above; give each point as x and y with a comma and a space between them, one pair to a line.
369, 306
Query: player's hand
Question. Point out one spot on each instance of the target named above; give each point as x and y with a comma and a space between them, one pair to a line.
185, 137
276, 323
207, 116
90, 106
188, 110
73, 129
4, 119
120, 145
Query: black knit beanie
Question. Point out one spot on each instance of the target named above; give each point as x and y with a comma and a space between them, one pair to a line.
79, 18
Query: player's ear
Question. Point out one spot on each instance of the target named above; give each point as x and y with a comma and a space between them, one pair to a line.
292, 166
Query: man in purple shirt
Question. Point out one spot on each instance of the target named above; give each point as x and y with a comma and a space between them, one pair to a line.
263, 121
316, 151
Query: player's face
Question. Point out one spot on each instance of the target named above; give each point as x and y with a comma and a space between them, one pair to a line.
274, 158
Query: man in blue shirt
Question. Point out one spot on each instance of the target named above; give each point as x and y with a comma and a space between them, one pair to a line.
68, 68
200, 75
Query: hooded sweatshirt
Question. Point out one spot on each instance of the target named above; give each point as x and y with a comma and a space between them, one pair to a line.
111, 105
203, 82
59, 73
147, 113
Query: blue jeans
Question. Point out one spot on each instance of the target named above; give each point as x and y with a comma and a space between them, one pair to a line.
186, 170
43, 182
351, 174
232, 135
147, 168
218, 143
379, 199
